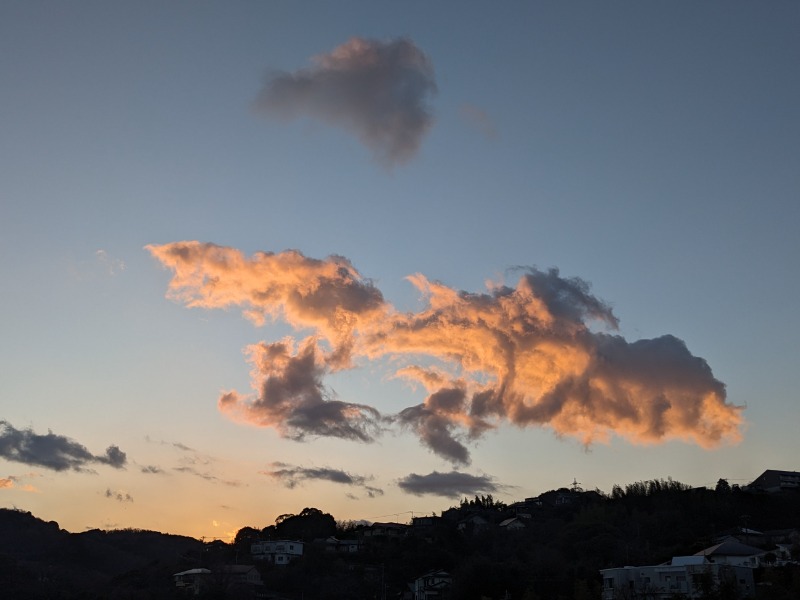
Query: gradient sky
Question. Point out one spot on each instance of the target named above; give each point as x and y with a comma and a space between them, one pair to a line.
402, 152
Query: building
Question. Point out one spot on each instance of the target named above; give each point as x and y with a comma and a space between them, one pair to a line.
192, 581
432, 586
512, 524
385, 530
334, 544
771, 481
733, 552
686, 575
277, 552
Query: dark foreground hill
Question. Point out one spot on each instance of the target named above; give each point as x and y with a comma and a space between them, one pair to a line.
551, 547
40, 560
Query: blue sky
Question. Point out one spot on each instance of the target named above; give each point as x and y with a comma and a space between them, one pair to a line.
650, 150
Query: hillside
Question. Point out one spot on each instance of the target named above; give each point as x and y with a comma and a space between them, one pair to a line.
561, 541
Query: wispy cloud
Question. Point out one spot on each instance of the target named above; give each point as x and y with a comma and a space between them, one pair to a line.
109, 264
119, 495
450, 485
541, 352
18, 482
378, 90
292, 476
208, 476
53, 451
151, 469
479, 119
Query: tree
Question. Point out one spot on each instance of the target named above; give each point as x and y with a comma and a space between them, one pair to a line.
723, 487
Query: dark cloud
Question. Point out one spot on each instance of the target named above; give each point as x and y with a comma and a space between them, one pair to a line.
293, 400
291, 476
377, 90
151, 469
434, 422
53, 451
450, 485
119, 496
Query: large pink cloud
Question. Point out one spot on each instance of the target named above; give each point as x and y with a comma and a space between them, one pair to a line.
539, 353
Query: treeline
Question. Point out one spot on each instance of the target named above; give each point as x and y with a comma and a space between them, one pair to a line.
568, 536
567, 539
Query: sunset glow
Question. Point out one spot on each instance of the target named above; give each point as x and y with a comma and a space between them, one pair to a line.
374, 260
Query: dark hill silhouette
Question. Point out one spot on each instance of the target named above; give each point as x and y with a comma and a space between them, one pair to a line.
38, 559
568, 536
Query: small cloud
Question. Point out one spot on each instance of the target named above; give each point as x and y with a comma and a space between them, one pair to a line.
291, 476
110, 265
53, 451
119, 496
18, 482
151, 469
478, 119
377, 90
450, 485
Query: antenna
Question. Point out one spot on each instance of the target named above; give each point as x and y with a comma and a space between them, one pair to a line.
576, 485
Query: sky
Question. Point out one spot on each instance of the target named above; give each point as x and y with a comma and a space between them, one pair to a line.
376, 257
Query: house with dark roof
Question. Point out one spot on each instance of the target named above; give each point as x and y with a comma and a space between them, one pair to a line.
434, 585
772, 481
733, 552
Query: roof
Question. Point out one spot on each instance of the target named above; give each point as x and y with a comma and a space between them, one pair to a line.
238, 568
682, 561
193, 572
510, 521
730, 547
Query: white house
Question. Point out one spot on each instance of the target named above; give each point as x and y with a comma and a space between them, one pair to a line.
278, 552
432, 586
192, 580
733, 552
682, 575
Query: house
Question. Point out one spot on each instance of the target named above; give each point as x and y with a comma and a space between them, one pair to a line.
238, 575
512, 524
333, 544
277, 552
192, 581
473, 523
243, 581
385, 530
418, 523
733, 552
683, 575
771, 482
432, 586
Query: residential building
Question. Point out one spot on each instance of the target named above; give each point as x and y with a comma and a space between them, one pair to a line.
334, 544
733, 552
385, 530
772, 481
512, 524
686, 575
192, 581
277, 552
432, 586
